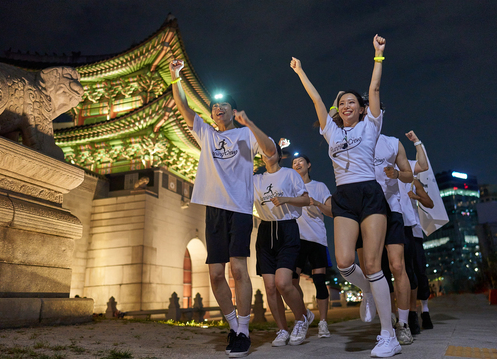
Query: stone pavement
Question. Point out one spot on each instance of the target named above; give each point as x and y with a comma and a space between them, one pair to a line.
464, 326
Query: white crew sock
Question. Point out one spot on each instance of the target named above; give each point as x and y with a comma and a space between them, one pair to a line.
424, 303
354, 275
232, 320
381, 294
403, 315
243, 325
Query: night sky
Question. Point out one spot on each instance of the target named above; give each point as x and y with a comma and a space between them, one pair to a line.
439, 76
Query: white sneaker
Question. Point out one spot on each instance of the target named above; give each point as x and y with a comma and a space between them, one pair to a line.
323, 329
299, 331
282, 337
386, 346
368, 308
403, 333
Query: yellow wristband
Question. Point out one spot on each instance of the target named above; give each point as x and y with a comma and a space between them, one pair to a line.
177, 80
334, 107
379, 58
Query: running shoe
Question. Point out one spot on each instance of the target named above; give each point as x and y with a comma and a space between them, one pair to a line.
386, 346
368, 308
310, 316
413, 322
426, 320
231, 340
282, 337
241, 346
403, 333
394, 319
323, 331
299, 331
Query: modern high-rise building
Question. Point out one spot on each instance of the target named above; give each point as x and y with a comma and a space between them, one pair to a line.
453, 252
487, 232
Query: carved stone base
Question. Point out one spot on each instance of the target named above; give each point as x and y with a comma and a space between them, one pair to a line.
23, 312
37, 240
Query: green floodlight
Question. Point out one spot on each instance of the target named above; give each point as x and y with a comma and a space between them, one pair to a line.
218, 96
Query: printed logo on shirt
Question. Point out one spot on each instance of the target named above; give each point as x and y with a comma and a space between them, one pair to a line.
223, 153
378, 161
345, 146
270, 194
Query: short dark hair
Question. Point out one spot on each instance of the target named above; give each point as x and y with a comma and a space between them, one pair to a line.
306, 160
225, 98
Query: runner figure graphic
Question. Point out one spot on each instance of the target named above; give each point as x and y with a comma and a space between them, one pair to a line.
221, 146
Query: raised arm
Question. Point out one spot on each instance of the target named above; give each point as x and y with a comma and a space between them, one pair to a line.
374, 87
323, 207
311, 91
404, 174
188, 114
421, 196
265, 143
300, 201
421, 160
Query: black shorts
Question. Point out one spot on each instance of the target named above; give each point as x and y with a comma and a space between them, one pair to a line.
359, 200
409, 254
227, 234
317, 254
395, 230
277, 246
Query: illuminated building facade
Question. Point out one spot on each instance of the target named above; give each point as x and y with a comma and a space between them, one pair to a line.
453, 251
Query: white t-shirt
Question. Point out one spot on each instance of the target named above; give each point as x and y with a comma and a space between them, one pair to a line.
409, 206
311, 224
355, 162
286, 182
385, 155
225, 168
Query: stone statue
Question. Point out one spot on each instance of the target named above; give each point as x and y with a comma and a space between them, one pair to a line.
30, 101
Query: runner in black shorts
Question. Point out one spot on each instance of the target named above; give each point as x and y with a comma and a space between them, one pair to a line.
351, 131
279, 195
313, 241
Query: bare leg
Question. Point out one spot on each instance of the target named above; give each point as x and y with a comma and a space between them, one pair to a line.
296, 284
274, 301
220, 287
402, 286
243, 285
283, 280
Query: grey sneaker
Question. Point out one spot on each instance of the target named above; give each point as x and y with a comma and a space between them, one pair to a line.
403, 333
323, 329
299, 331
394, 319
282, 337
310, 316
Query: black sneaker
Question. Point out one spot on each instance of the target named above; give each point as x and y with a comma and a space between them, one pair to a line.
426, 320
240, 347
230, 340
413, 323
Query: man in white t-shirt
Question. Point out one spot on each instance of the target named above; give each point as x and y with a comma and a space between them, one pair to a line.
224, 185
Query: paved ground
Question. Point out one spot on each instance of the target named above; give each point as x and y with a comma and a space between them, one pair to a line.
465, 326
